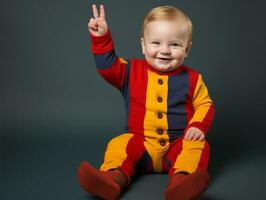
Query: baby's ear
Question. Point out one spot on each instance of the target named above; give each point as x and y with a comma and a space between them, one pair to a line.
142, 45
188, 49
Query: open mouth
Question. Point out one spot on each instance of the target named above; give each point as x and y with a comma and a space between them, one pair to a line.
164, 58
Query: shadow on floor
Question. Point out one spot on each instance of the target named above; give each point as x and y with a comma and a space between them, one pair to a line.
205, 197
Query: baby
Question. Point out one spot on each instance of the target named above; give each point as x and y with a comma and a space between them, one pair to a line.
168, 109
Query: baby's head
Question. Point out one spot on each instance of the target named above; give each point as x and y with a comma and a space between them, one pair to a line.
166, 38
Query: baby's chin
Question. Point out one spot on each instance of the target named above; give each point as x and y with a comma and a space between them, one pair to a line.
164, 68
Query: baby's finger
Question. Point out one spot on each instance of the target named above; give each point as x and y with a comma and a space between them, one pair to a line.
195, 137
191, 135
102, 12
186, 135
91, 21
202, 137
92, 24
96, 22
95, 11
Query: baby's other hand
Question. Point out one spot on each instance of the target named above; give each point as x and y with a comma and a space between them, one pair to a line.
194, 133
97, 25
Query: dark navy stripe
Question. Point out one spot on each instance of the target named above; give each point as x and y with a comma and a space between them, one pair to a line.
106, 60
125, 91
178, 88
168, 163
144, 164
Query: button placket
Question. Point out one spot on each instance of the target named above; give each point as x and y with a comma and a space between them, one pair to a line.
159, 100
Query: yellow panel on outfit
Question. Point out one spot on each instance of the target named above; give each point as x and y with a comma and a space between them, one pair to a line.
115, 153
190, 156
155, 118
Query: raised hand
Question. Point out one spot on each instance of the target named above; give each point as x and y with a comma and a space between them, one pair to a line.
97, 25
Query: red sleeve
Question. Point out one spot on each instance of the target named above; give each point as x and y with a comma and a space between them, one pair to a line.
110, 67
102, 44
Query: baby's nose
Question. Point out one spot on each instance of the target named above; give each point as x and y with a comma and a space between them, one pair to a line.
165, 49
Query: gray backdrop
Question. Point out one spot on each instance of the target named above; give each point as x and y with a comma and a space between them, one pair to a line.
55, 110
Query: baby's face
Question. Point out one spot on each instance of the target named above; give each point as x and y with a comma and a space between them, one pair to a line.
165, 44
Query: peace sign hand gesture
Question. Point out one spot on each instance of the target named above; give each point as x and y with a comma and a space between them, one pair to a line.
97, 25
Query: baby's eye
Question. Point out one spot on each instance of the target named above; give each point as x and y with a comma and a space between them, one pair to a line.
156, 42
175, 44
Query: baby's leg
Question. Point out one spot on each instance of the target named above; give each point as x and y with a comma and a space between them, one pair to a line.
128, 154
123, 155
188, 163
187, 156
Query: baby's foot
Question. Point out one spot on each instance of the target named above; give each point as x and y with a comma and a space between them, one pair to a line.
98, 183
187, 187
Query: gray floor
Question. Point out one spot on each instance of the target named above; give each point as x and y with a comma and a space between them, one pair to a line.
51, 95
45, 168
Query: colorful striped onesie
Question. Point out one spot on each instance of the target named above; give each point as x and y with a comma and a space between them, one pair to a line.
160, 107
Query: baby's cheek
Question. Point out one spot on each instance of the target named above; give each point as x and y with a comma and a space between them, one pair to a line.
151, 52
179, 53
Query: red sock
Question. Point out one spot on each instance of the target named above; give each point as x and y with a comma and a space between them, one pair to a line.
98, 183
187, 187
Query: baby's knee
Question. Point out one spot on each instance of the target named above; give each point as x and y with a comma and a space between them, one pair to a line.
119, 141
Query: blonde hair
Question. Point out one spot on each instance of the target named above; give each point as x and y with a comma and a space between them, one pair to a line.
168, 13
